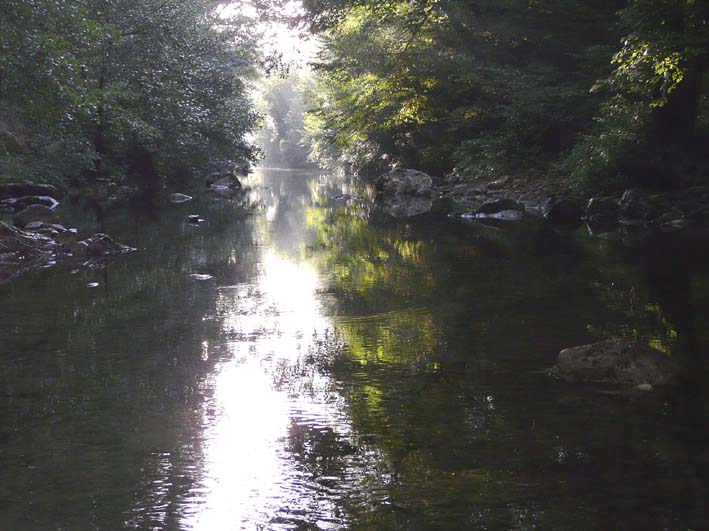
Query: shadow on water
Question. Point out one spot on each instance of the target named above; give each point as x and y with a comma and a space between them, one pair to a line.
342, 371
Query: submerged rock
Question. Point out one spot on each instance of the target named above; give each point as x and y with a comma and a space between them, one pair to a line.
499, 205
502, 215
178, 198
616, 361
49, 244
200, 277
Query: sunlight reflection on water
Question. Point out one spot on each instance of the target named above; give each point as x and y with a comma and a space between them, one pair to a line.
249, 476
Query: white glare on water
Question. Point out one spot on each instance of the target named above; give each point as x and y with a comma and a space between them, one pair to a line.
249, 478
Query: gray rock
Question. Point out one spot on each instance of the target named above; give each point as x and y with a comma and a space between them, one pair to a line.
500, 205
404, 193
615, 361
28, 238
16, 204
22, 250
37, 225
48, 231
225, 183
27, 200
404, 181
179, 198
35, 213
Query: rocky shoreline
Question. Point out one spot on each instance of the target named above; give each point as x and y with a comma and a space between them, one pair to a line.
38, 240
632, 211
630, 215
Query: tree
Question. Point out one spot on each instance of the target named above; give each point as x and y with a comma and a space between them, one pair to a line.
163, 78
434, 83
646, 131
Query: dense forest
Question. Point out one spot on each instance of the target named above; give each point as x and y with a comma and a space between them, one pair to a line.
602, 94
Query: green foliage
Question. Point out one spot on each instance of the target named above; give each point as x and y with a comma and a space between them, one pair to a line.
652, 98
120, 76
486, 87
508, 86
597, 160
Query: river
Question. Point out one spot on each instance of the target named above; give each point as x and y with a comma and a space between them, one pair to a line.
344, 371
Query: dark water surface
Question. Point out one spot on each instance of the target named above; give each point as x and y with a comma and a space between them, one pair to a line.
346, 372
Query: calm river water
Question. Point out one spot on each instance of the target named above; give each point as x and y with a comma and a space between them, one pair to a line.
341, 371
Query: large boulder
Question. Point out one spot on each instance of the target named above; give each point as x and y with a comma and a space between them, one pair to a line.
404, 193
404, 181
615, 361
35, 213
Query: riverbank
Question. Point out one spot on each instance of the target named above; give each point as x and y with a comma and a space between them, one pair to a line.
630, 212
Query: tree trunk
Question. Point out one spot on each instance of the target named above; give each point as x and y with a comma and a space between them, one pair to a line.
675, 123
